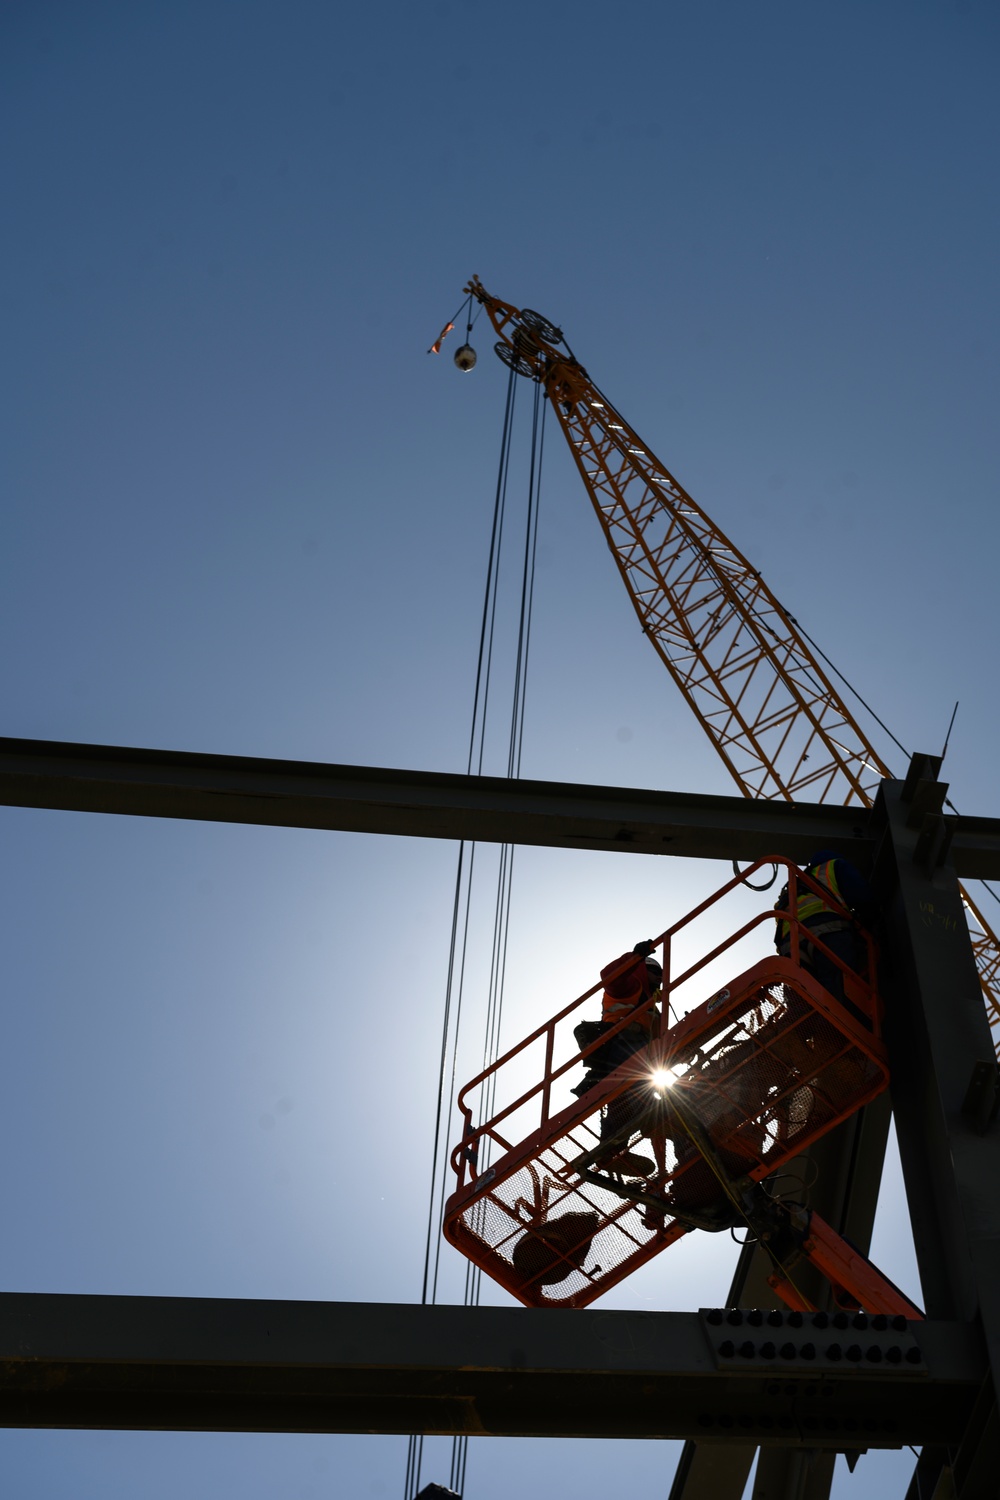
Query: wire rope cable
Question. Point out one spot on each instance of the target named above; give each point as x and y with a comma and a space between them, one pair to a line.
505, 873
463, 874
484, 693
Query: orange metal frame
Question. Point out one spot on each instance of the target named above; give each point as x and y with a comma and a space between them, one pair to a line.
855, 1281
745, 1057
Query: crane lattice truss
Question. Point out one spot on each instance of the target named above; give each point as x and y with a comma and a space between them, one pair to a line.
735, 653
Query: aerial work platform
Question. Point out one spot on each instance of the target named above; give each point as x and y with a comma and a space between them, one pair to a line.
561, 1197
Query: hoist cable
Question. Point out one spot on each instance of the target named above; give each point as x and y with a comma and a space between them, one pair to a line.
454, 1062
414, 1454
464, 874
504, 888
505, 872
443, 1065
464, 866
849, 686
531, 582
479, 712
471, 318
415, 1447
495, 985
527, 590
461, 913
495, 539
501, 919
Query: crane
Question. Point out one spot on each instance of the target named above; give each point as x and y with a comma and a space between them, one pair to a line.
740, 659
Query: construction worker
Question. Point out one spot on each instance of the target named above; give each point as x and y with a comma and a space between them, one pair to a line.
828, 920
629, 982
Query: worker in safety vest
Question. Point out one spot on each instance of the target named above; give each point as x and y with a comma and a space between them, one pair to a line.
828, 920
629, 982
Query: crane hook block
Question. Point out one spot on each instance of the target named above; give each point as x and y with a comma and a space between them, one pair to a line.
465, 357
566, 1186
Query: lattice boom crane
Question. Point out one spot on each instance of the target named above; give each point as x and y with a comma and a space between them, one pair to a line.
735, 653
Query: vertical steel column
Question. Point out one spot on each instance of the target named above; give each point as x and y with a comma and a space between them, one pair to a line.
842, 1171
944, 1092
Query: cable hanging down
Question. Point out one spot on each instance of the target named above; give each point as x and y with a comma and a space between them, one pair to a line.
466, 883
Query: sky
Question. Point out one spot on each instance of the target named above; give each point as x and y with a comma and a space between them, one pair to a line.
244, 512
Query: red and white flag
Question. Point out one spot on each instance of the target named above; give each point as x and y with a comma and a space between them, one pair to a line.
436, 346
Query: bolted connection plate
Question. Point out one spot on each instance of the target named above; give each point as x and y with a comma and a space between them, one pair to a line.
834, 1343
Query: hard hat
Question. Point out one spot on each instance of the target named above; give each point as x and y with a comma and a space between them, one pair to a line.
822, 857
655, 968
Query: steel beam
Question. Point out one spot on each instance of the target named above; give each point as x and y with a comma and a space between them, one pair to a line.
180, 1363
430, 804
841, 1175
137, 1362
937, 1032
945, 1095
425, 804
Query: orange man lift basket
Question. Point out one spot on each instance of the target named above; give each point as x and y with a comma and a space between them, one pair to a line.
561, 1197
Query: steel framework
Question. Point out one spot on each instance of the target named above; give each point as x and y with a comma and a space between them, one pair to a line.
432, 804
138, 1362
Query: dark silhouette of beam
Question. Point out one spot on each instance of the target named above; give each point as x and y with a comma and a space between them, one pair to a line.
234, 1365
431, 804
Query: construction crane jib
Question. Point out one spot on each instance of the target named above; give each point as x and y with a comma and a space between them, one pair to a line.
758, 690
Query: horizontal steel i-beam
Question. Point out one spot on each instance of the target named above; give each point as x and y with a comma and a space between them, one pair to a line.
211, 1365
425, 804
428, 804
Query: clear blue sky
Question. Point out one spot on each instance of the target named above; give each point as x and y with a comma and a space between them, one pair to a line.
244, 512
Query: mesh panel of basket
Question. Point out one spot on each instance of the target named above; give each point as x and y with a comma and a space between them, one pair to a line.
553, 1235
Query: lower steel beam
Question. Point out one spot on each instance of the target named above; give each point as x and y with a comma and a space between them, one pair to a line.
249, 1366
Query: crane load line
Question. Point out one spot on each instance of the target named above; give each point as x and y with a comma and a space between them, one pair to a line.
718, 680
465, 869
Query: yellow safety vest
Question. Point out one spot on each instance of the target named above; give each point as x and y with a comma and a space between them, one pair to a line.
809, 906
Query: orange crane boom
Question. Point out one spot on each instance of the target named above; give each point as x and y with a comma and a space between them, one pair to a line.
759, 692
